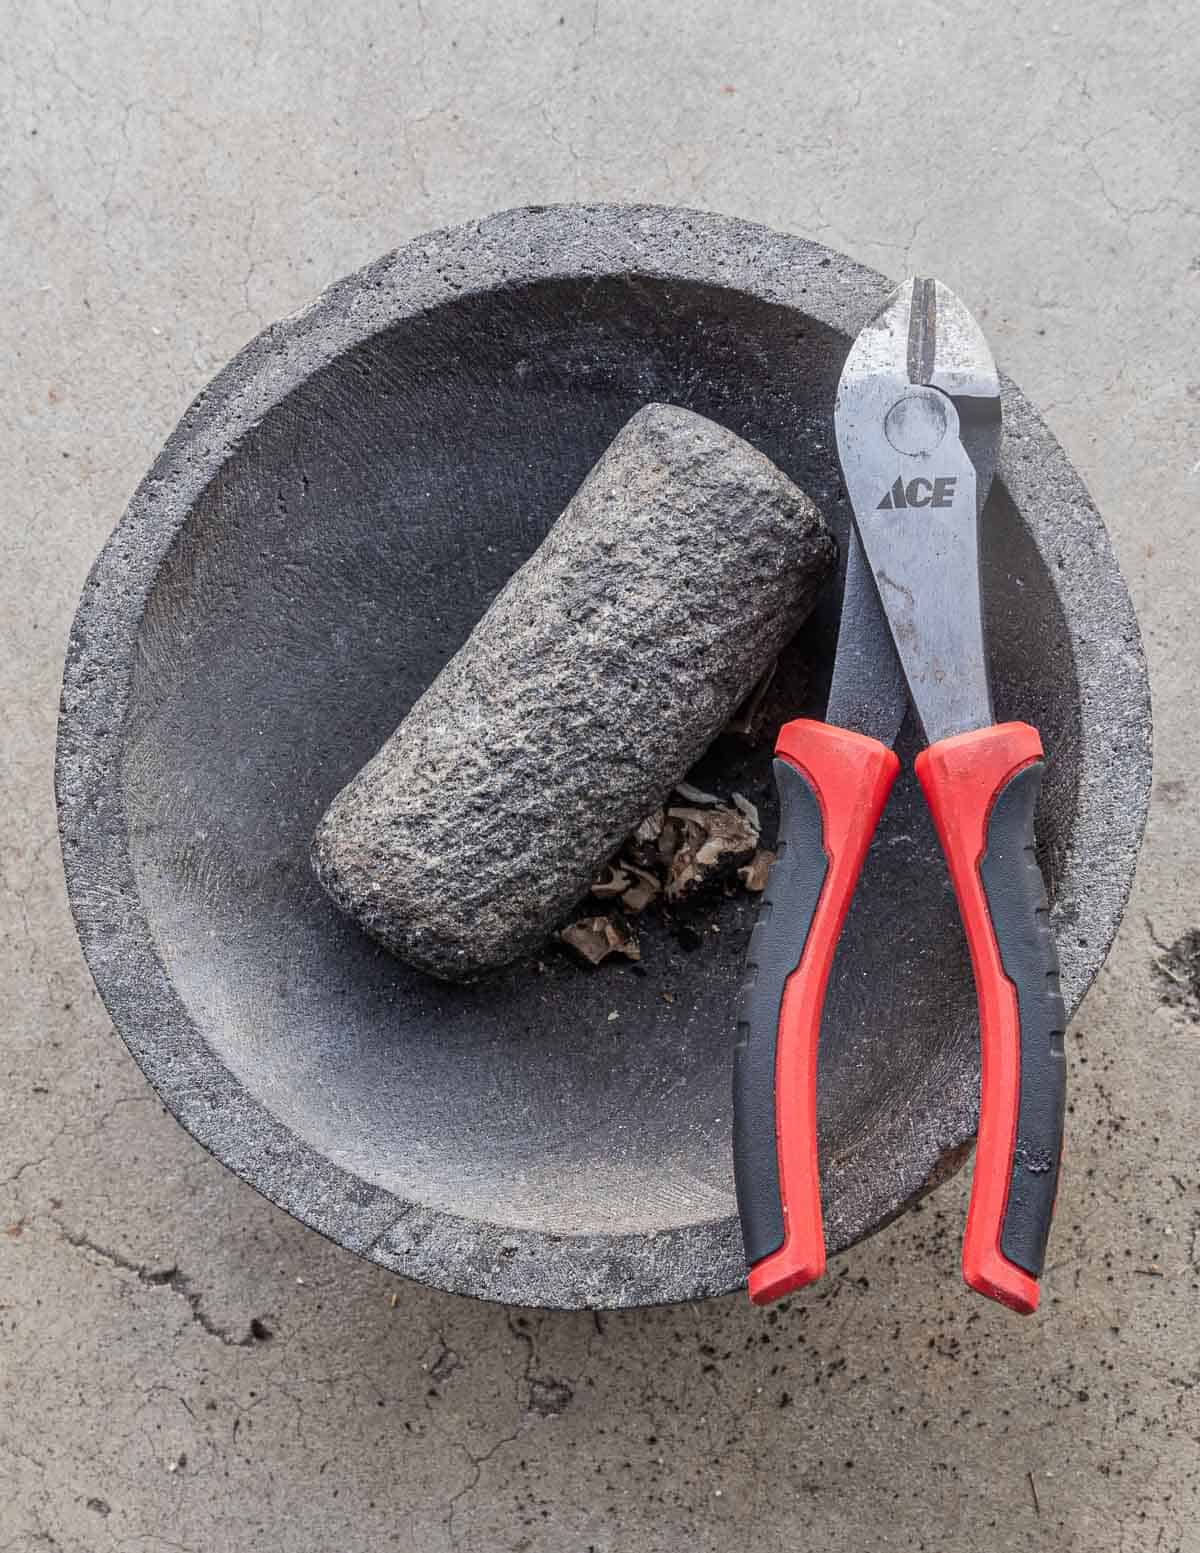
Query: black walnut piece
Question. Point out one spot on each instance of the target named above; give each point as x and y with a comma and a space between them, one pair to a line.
598, 676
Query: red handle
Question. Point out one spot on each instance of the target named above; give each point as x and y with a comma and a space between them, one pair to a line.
850, 777
982, 790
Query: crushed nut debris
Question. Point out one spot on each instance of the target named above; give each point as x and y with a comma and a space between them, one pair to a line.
685, 851
713, 844
747, 810
649, 828
594, 938
756, 872
692, 794
611, 884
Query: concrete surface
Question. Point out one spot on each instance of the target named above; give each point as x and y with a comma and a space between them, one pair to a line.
185, 1368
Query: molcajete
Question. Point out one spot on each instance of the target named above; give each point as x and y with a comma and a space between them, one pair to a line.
318, 536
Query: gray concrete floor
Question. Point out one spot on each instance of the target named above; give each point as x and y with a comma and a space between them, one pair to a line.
176, 177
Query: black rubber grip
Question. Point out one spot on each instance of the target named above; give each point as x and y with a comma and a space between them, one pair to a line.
776, 946
1016, 896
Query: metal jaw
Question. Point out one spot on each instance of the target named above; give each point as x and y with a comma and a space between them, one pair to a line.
918, 432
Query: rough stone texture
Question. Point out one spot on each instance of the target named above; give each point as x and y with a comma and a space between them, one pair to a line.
602, 671
196, 173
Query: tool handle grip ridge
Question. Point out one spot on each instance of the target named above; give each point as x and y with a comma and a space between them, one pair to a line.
982, 789
832, 787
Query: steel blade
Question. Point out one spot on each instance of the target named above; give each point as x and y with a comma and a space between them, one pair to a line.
918, 429
868, 693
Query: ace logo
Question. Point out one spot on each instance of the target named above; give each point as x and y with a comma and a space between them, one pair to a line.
920, 493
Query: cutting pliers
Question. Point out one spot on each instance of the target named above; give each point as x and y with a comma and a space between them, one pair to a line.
918, 425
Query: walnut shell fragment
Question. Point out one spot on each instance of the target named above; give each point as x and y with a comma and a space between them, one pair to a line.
714, 844
594, 938
757, 871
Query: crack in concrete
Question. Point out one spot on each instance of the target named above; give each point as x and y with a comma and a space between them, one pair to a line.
444, 1363
477, 1463
163, 1278
14, 1178
538, 1396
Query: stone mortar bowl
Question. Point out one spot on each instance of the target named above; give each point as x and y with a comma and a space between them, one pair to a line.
317, 537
